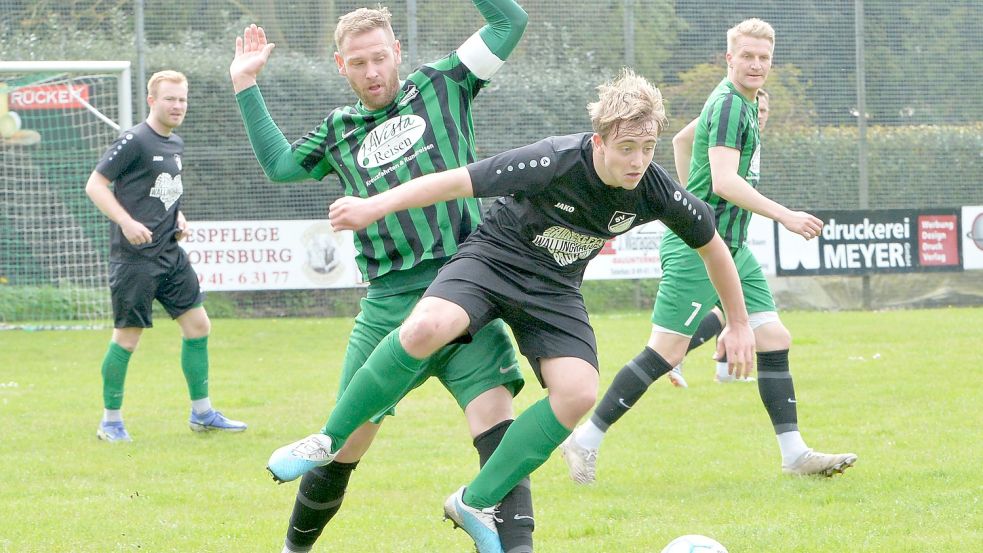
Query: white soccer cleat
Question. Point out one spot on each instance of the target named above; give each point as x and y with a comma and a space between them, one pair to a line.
478, 523
291, 461
813, 463
676, 377
581, 461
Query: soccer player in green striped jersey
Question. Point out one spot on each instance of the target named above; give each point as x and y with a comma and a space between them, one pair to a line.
713, 322
723, 172
397, 130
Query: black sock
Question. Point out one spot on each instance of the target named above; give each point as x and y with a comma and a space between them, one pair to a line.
776, 390
515, 519
319, 497
628, 386
709, 327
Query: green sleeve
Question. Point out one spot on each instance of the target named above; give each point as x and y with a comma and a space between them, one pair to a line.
269, 145
506, 23
727, 121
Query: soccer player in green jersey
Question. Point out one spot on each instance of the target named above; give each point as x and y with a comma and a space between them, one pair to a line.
713, 322
723, 172
398, 129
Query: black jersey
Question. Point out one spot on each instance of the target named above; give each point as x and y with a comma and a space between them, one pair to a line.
145, 168
555, 213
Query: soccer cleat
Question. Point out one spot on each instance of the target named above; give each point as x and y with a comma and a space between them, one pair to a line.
581, 461
478, 523
676, 377
824, 464
291, 461
214, 420
113, 431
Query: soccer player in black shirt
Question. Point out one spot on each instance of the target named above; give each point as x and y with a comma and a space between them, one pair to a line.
145, 262
561, 199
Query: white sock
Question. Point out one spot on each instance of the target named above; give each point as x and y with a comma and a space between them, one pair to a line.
112, 415
722, 374
792, 446
201, 406
589, 436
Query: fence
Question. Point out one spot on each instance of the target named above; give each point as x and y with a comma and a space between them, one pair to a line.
873, 102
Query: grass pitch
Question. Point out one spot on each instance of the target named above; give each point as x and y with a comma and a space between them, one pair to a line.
902, 389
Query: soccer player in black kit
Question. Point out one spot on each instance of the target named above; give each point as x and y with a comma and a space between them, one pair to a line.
143, 166
561, 199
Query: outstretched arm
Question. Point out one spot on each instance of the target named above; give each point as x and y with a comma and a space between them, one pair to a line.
351, 213
729, 185
269, 145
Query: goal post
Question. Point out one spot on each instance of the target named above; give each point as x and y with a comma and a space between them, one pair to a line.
56, 119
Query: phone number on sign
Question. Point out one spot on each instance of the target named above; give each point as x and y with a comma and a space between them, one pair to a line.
244, 278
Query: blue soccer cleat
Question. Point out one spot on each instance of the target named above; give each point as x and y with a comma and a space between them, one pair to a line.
112, 431
291, 461
214, 420
478, 523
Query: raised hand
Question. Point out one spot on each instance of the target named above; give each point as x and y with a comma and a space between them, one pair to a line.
252, 53
803, 224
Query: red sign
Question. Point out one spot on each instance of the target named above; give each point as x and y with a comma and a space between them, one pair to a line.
938, 240
64, 96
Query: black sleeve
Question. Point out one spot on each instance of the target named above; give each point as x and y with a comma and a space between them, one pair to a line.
687, 216
529, 169
124, 151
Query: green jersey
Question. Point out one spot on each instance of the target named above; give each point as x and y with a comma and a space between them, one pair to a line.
728, 119
428, 128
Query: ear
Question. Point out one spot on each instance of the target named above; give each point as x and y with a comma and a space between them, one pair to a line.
150, 101
340, 62
730, 59
597, 141
398, 52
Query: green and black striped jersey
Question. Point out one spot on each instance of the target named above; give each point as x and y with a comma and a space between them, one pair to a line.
428, 128
728, 119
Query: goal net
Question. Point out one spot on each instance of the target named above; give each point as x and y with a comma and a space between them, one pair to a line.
56, 119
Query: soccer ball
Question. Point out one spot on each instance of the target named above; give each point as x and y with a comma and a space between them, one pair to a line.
694, 543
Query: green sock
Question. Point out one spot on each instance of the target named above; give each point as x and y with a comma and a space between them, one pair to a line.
387, 376
114, 375
194, 363
526, 445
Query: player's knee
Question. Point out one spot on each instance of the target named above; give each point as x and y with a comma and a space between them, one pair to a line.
420, 336
580, 401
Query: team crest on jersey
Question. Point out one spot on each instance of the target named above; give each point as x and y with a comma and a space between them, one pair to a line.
566, 245
177, 160
621, 221
167, 189
391, 140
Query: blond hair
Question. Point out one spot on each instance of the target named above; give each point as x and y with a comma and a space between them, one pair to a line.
362, 20
754, 28
166, 75
628, 102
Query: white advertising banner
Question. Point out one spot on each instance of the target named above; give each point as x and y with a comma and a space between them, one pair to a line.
271, 255
635, 254
972, 233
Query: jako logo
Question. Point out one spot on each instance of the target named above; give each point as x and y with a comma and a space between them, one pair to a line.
564, 207
390, 140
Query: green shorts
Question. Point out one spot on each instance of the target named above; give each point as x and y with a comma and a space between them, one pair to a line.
466, 370
686, 294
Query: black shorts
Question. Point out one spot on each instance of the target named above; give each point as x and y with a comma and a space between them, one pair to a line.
547, 320
135, 286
